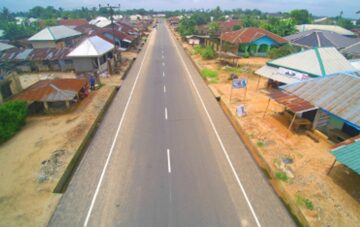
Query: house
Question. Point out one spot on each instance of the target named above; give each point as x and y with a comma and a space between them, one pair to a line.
100, 22
321, 38
227, 26
197, 39
94, 54
251, 41
337, 98
312, 63
352, 51
54, 37
52, 95
122, 40
73, 23
34, 60
331, 28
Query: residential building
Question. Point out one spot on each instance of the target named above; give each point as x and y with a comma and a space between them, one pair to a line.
54, 37
94, 54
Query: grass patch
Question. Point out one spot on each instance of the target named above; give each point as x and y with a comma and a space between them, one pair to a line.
281, 176
260, 143
210, 75
304, 202
205, 52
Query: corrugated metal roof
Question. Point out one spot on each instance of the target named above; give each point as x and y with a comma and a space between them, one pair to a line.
292, 102
51, 90
338, 94
333, 28
54, 33
316, 62
349, 154
248, 35
353, 49
320, 38
5, 46
92, 47
273, 73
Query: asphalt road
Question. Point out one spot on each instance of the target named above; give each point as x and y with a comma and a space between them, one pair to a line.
166, 155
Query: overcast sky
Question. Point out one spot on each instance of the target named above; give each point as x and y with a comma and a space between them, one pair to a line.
316, 7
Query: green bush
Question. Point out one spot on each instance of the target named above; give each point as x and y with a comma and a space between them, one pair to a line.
207, 53
281, 176
282, 51
304, 202
12, 118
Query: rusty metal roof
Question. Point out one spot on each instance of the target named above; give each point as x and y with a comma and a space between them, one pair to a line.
249, 35
338, 94
51, 90
292, 102
50, 54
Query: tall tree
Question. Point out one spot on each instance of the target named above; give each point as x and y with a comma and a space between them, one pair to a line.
301, 16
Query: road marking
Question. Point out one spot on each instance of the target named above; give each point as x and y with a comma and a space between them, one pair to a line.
164, 89
163, 63
216, 133
162, 56
166, 115
163, 74
114, 141
168, 158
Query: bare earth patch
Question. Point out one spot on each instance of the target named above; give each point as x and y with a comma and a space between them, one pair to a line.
325, 200
33, 161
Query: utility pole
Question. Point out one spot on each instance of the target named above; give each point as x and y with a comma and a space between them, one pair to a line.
111, 8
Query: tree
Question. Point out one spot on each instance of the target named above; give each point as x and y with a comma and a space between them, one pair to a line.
345, 23
12, 118
282, 51
281, 27
186, 27
213, 28
236, 27
301, 16
249, 21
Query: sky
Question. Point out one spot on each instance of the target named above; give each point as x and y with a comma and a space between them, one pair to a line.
316, 7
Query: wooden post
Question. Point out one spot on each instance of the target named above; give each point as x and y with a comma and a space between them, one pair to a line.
267, 106
291, 124
46, 106
332, 166
67, 102
258, 83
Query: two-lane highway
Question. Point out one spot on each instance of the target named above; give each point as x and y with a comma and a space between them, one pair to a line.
165, 155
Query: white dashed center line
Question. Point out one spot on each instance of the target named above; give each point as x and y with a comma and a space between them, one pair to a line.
168, 158
166, 114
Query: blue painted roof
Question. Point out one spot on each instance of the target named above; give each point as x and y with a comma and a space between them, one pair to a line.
349, 155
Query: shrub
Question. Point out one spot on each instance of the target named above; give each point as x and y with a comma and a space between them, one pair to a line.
207, 53
304, 202
281, 176
12, 118
282, 51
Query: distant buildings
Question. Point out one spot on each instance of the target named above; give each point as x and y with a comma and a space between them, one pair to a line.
331, 28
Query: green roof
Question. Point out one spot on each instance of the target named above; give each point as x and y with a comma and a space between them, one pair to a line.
349, 155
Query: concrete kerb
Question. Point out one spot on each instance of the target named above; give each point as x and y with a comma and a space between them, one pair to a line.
69, 171
255, 153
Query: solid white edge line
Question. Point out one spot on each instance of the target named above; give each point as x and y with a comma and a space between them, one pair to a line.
217, 134
166, 114
169, 160
114, 141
